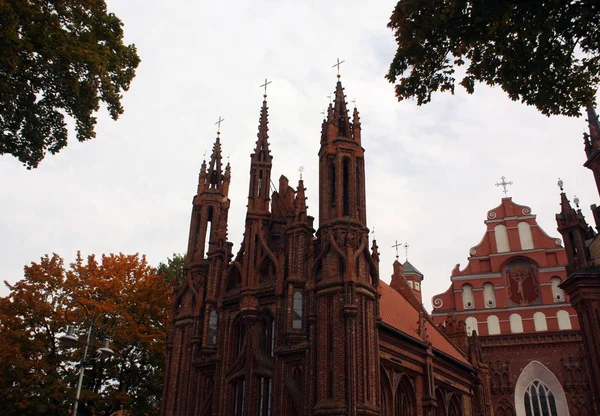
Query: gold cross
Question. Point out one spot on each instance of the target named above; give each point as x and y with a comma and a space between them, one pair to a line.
338, 66
396, 247
265, 85
219, 125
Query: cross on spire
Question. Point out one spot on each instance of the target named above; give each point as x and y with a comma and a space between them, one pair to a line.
396, 247
354, 101
504, 184
218, 123
338, 66
301, 169
265, 85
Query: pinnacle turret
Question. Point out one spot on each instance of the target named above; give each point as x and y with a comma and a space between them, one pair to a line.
215, 171
262, 152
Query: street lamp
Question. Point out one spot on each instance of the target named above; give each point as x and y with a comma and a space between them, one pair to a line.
91, 320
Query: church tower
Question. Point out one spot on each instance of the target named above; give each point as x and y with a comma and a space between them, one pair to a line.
583, 251
346, 277
193, 338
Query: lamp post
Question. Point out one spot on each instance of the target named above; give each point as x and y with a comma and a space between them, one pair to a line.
91, 320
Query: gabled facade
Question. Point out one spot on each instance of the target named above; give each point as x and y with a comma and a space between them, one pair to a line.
509, 297
298, 321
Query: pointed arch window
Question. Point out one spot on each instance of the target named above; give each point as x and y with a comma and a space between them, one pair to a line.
269, 336
238, 388
264, 396
539, 400
405, 398
297, 311
346, 186
211, 336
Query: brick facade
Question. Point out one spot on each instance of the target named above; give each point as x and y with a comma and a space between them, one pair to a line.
298, 321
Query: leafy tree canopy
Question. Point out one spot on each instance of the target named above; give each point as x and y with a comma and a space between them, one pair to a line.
173, 268
58, 58
40, 376
545, 53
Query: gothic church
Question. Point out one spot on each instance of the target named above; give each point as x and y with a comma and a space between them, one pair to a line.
298, 321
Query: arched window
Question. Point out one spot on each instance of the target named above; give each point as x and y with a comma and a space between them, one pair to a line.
489, 296
471, 323
297, 311
207, 236
405, 403
557, 293
269, 336
239, 342
346, 186
493, 324
501, 235
525, 236
539, 320
564, 320
455, 407
238, 387
539, 393
264, 396
516, 323
539, 400
211, 336
467, 297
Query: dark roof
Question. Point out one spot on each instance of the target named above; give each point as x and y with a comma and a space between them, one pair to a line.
410, 269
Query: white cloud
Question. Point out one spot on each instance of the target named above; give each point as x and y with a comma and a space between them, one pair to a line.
431, 170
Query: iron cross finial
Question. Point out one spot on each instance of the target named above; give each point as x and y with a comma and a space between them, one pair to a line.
329, 97
265, 85
396, 247
301, 169
354, 101
338, 66
218, 124
504, 184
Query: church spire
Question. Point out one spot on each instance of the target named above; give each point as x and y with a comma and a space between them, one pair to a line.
260, 165
215, 171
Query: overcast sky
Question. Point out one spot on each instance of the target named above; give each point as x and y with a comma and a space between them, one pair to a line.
431, 170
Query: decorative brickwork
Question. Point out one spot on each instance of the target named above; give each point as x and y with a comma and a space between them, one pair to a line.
298, 322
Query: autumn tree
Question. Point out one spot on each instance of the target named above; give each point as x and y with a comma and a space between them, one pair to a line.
41, 374
544, 53
58, 58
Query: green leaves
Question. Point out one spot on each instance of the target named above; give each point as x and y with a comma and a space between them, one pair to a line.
58, 58
544, 53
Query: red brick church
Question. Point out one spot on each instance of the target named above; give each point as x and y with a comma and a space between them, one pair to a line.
298, 322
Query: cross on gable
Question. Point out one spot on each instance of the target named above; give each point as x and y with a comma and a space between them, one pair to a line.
504, 184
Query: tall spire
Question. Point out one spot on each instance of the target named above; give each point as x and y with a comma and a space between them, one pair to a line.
260, 165
262, 152
593, 123
339, 115
215, 171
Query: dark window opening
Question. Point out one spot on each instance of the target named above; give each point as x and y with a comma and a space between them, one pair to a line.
211, 336
346, 183
297, 311
264, 397
332, 180
238, 397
